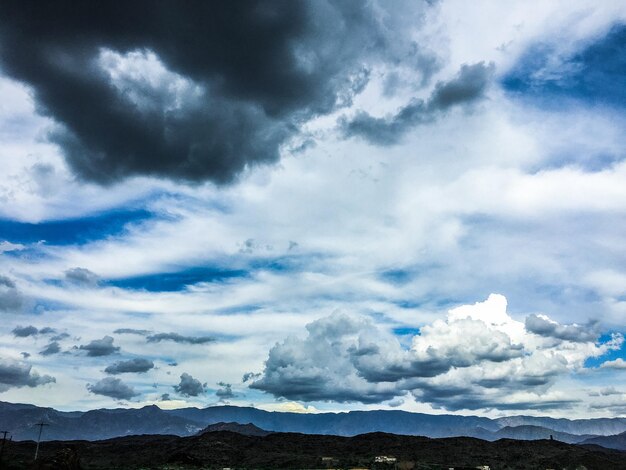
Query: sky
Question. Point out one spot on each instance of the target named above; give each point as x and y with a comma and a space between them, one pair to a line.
314, 206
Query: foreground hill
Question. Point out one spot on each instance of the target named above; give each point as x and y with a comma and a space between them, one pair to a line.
245, 429
224, 449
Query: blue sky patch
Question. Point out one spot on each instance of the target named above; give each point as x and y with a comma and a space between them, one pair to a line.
71, 231
178, 280
594, 74
396, 276
406, 330
594, 362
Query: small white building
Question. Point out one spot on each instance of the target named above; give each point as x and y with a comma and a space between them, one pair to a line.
384, 459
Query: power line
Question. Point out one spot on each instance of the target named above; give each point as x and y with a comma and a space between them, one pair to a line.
41, 425
4, 438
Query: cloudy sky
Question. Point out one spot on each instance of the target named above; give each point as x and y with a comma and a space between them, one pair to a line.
314, 205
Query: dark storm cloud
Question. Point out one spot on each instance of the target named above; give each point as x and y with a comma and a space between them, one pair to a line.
545, 327
177, 338
131, 331
242, 77
189, 386
51, 348
112, 387
138, 365
468, 86
19, 374
100, 347
10, 297
81, 276
25, 331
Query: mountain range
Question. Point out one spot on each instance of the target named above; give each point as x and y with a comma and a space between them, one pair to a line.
20, 421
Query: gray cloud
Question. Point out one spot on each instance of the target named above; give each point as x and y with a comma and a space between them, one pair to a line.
14, 374
82, 276
605, 392
214, 113
250, 376
51, 348
177, 338
100, 347
189, 386
467, 87
25, 331
225, 392
131, 331
543, 326
30, 330
112, 387
59, 337
132, 365
455, 398
10, 297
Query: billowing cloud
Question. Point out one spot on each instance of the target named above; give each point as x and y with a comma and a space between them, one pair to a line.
15, 374
82, 276
25, 331
468, 86
319, 367
478, 357
51, 348
112, 387
100, 347
177, 338
11, 299
132, 365
161, 97
190, 387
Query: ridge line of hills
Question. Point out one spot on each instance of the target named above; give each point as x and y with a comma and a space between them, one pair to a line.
19, 420
217, 447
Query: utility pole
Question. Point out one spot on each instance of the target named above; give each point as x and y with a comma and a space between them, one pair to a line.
41, 425
4, 438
